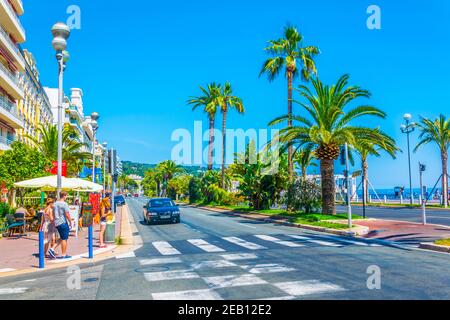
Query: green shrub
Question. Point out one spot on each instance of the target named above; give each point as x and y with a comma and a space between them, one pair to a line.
195, 190
5, 210
304, 195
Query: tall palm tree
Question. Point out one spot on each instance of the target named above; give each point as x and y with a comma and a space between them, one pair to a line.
329, 127
289, 54
437, 131
168, 169
208, 101
304, 159
373, 148
226, 101
47, 143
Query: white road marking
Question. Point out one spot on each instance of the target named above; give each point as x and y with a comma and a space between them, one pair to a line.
7, 270
322, 243
308, 287
267, 268
278, 241
126, 255
5, 291
213, 264
279, 298
205, 246
245, 225
188, 295
239, 256
243, 243
233, 281
156, 261
170, 275
358, 243
165, 248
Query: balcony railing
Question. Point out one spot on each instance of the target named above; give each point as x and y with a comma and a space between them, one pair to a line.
8, 39
5, 140
9, 106
13, 13
12, 76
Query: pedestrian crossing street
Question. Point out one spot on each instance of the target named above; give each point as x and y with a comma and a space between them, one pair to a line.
250, 243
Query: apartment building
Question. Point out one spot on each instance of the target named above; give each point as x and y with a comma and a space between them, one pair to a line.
12, 63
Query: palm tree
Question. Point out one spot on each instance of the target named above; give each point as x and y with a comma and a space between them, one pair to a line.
373, 148
288, 53
168, 169
73, 152
226, 101
438, 132
208, 102
304, 159
329, 127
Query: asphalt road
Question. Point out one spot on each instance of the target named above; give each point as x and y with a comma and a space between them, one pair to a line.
213, 256
434, 216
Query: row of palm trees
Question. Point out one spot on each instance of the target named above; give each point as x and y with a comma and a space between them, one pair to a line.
213, 98
326, 122
161, 175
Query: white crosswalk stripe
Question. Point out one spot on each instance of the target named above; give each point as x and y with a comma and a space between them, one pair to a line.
267, 268
165, 248
126, 255
157, 261
170, 275
243, 243
6, 291
322, 243
188, 295
358, 243
239, 256
278, 241
205, 246
212, 264
302, 288
233, 281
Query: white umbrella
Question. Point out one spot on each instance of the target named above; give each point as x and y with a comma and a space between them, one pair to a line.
48, 183
86, 186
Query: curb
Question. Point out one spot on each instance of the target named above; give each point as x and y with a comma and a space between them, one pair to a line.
434, 247
126, 236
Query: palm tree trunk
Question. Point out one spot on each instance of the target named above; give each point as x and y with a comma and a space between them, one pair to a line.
365, 169
290, 149
224, 140
328, 186
211, 142
444, 157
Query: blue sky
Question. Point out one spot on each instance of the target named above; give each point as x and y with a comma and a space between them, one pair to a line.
139, 61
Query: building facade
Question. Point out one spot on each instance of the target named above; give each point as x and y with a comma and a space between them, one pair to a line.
34, 108
12, 63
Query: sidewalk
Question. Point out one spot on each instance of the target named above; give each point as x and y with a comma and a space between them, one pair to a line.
17, 253
404, 232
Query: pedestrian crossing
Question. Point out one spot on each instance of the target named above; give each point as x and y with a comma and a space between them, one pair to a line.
251, 243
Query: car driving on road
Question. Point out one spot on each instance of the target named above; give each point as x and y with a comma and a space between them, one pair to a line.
119, 200
160, 210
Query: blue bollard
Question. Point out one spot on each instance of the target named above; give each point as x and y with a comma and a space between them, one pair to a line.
41, 250
91, 242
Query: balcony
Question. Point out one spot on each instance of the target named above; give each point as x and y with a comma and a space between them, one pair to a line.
11, 22
9, 114
9, 81
18, 5
75, 112
12, 49
5, 143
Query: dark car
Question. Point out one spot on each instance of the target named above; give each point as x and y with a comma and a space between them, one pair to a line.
161, 210
119, 200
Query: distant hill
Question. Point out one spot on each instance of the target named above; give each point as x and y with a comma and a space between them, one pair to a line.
139, 169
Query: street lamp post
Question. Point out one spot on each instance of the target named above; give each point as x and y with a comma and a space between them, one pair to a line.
422, 169
94, 124
408, 128
105, 150
61, 33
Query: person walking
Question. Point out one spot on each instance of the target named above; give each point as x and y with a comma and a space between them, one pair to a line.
47, 225
62, 221
105, 210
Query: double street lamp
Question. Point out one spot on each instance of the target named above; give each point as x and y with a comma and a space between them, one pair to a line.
105, 151
409, 128
61, 33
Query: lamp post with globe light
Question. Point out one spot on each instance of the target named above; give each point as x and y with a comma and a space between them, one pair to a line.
408, 128
61, 33
105, 150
